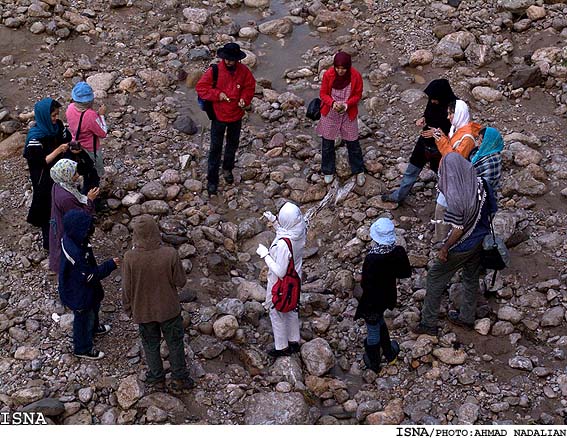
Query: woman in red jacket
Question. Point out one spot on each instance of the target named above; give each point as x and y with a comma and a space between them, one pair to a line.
340, 93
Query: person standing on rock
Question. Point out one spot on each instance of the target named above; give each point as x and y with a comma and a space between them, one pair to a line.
470, 201
341, 90
232, 93
65, 197
461, 139
425, 151
90, 126
383, 264
79, 282
46, 142
151, 274
487, 160
289, 224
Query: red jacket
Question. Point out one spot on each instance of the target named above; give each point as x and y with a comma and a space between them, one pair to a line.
237, 85
355, 92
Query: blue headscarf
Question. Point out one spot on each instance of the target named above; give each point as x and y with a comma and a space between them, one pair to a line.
43, 127
492, 143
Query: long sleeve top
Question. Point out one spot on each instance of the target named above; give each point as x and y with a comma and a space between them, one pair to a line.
355, 92
93, 127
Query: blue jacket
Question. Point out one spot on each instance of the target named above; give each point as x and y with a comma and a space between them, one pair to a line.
79, 274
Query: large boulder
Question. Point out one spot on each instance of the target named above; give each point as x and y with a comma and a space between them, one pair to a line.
225, 327
275, 408
317, 356
12, 146
101, 83
129, 392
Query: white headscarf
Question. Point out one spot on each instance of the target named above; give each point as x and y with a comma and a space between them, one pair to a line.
460, 118
290, 223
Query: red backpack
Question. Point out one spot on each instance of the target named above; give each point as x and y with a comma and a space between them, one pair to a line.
285, 293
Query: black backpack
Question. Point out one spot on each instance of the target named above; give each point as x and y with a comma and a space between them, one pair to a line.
207, 105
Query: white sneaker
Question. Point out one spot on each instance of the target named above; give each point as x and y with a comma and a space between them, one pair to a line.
329, 179
360, 179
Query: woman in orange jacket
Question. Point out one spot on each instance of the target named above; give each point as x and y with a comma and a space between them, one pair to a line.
341, 90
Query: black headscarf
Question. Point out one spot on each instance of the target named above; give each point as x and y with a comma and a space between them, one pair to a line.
436, 114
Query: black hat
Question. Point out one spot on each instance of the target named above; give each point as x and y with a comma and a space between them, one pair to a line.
231, 52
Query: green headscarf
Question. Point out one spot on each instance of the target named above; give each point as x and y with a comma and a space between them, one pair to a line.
62, 173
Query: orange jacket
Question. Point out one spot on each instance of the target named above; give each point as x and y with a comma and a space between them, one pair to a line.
355, 92
462, 140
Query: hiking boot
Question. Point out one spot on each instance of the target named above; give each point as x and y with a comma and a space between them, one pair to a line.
371, 356
102, 329
454, 317
158, 386
329, 179
94, 354
180, 385
386, 197
293, 347
279, 353
360, 179
228, 176
211, 189
422, 329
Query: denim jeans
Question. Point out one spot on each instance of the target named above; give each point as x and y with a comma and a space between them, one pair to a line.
172, 331
439, 276
328, 156
218, 130
84, 324
373, 331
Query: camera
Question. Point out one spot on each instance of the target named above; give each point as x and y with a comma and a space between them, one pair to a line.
75, 145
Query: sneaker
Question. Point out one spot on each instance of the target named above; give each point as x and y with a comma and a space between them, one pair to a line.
453, 316
279, 353
329, 179
396, 351
360, 179
94, 354
228, 176
293, 347
179, 385
102, 329
212, 189
422, 329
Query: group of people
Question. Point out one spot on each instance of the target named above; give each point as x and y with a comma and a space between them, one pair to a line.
465, 155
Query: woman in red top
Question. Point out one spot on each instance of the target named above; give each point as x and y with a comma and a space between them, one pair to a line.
340, 93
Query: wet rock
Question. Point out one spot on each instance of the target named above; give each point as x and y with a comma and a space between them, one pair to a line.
279, 26
553, 317
129, 392
450, 356
317, 356
392, 414
257, 3
225, 327
276, 408
486, 93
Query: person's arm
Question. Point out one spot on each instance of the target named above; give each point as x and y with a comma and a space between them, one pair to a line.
179, 277
98, 125
249, 88
126, 287
59, 150
94, 273
404, 267
465, 147
204, 87
279, 262
454, 236
325, 92
367, 274
356, 89
443, 143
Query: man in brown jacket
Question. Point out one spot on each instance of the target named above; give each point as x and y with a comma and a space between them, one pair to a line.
151, 274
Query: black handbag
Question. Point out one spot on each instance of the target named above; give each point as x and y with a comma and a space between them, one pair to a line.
314, 109
494, 254
207, 105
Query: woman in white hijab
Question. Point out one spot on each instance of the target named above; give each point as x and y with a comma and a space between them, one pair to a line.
290, 224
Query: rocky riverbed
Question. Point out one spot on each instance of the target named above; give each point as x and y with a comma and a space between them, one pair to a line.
507, 59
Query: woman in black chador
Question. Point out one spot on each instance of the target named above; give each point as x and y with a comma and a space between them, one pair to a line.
425, 151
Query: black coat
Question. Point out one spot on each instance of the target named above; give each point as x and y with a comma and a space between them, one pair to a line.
85, 168
35, 152
379, 290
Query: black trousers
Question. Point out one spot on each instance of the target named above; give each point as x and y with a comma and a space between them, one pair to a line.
425, 151
218, 130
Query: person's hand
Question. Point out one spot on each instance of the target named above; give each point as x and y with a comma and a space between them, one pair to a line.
428, 133
270, 216
63, 148
420, 122
337, 106
223, 97
262, 251
241, 103
437, 133
116, 261
102, 110
442, 254
93, 193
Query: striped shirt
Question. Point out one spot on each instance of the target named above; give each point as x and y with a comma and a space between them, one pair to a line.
490, 169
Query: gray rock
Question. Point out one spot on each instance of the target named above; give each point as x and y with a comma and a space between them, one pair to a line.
279, 26
524, 155
486, 93
196, 15
525, 77
50, 407
468, 413
289, 369
154, 190
515, 6
158, 207
129, 392
553, 317
248, 228
479, 55
231, 306
502, 328
225, 327
276, 408
186, 125
450, 356
508, 313
523, 183
521, 363
317, 356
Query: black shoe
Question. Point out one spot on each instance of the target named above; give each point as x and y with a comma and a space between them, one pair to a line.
422, 329
101, 329
158, 386
453, 316
228, 176
387, 197
279, 353
180, 385
94, 354
212, 189
395, 353
372, 356
293, 347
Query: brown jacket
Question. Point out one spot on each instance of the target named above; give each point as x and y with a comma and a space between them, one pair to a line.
151, 274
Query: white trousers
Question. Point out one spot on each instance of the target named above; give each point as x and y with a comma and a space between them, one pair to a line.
285, 327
